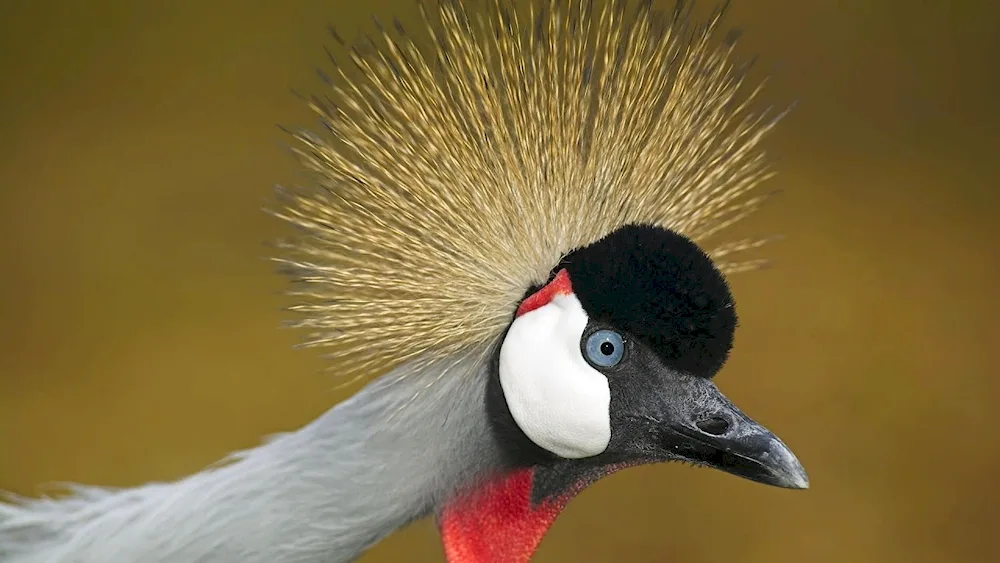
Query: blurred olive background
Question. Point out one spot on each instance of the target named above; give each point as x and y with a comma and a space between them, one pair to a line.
138, 334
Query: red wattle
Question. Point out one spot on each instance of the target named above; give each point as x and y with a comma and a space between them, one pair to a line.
497, 523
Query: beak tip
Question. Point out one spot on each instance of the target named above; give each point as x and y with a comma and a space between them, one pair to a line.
799, 481
786, 469
795, 476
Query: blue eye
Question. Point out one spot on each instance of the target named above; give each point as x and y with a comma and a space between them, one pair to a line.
605, 348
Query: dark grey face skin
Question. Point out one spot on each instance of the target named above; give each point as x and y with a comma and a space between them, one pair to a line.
663, 415
676, 317
657, 415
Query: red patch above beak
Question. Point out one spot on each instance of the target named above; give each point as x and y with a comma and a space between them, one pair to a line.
560, 285
497, 522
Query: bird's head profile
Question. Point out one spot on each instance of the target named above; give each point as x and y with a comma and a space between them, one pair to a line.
608, 365
612, 362
537, 193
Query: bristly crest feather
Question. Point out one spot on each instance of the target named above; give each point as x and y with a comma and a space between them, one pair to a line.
456, 177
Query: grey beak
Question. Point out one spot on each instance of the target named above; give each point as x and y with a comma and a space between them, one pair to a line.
705, 427
757, 454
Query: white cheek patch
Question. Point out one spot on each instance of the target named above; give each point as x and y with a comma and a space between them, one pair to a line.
557, 399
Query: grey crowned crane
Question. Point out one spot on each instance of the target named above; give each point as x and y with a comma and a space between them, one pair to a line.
511, 220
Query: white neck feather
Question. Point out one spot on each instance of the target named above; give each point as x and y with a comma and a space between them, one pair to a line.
324, 493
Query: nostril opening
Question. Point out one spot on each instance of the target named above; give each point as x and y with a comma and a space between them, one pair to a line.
714, 425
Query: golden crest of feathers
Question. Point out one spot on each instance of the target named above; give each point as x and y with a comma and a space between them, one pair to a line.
457, 176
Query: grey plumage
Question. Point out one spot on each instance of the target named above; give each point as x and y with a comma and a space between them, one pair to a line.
322, 494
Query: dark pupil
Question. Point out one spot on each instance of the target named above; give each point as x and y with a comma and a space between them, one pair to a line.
607, 348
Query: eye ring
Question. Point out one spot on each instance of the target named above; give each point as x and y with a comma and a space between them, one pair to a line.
604, 348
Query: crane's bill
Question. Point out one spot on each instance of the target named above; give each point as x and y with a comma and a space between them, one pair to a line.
703, 426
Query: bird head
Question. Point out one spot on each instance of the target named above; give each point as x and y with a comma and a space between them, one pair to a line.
610, 365
534, 192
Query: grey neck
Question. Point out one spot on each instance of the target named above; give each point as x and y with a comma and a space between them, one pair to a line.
324, 493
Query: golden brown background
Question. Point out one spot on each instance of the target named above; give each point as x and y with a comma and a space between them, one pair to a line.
138, 334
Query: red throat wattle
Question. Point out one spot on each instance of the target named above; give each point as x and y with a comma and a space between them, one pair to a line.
498, 522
